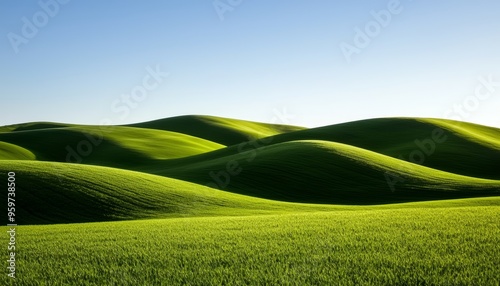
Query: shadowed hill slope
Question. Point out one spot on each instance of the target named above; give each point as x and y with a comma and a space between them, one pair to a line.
33, 126
324, 172
452, 146
110, 146
456, 147
70, 193
225, 131
67, 193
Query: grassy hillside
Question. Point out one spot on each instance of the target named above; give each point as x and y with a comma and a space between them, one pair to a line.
456, 147
32, 126
225, 131
452, 146
484, 135
324, 172
161, 139
63, 193
13, 152
111, 145
69, 193
281, 167
413, 246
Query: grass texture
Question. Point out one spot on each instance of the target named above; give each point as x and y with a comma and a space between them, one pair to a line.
411, 246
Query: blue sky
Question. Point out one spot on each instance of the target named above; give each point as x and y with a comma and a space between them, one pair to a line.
253, 60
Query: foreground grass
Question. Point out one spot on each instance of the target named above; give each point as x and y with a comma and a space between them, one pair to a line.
412, 246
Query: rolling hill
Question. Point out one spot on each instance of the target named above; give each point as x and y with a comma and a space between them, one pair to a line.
225, 131
49, 193
457, 147
451, 146
169, 162
169, 138
13, 152
70, 193
325, 172
106, 145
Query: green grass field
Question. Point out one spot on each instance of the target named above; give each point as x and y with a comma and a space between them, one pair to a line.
202, 200
411, 246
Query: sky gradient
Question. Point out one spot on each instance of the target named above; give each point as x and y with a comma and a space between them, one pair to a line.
117, 62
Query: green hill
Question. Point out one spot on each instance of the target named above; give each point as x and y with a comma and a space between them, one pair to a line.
452, 146
68, 193
72, 193
225, 131
125, 146
362, 162
457, 147
13, 152
33, 126
323, 172
106, 145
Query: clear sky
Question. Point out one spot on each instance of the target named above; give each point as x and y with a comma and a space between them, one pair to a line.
318, 62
